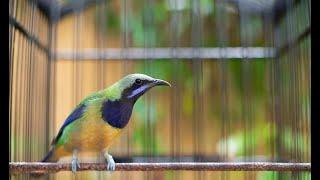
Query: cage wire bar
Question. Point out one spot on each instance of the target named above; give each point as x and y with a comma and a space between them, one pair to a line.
29, 167
169, 53
31, 48
28, 50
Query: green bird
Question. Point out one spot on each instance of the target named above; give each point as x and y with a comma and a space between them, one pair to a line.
95, 123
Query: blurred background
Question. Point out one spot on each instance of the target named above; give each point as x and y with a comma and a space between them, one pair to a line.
239, 69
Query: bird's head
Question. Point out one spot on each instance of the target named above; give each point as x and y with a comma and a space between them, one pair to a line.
133, 86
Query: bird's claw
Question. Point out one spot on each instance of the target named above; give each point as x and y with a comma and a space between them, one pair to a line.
75, 164
111, 165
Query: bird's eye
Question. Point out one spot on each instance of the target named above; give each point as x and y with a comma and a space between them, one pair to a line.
138, 81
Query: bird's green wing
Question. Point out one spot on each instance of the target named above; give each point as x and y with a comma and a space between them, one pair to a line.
77, 113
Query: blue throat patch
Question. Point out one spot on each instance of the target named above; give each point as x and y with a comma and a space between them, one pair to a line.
117, 113
138, 91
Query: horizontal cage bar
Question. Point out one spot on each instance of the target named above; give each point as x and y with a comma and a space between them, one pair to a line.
166, 53
36, 167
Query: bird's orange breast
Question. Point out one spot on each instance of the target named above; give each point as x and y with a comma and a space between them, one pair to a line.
88, 134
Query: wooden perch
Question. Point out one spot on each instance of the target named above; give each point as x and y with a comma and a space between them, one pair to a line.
36, 167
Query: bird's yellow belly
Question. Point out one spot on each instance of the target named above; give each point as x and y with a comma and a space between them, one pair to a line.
91, 136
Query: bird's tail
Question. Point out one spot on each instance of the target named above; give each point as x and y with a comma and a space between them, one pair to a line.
48, 158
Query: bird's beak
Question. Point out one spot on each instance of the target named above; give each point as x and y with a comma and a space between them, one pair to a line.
159, 82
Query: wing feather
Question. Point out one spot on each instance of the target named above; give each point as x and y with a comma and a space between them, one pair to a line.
76, 114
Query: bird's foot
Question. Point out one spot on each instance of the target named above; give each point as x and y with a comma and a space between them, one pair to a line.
111, 165
75, 163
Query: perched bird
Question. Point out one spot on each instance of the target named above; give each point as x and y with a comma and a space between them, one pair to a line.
95, 123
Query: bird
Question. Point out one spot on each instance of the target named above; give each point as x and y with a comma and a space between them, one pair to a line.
99, 119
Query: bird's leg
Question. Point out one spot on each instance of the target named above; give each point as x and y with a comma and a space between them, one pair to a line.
111, 165
75, 161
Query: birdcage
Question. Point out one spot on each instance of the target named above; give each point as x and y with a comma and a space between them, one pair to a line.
238, 108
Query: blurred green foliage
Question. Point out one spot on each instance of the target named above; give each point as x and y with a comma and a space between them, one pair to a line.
157, 23
264, 175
